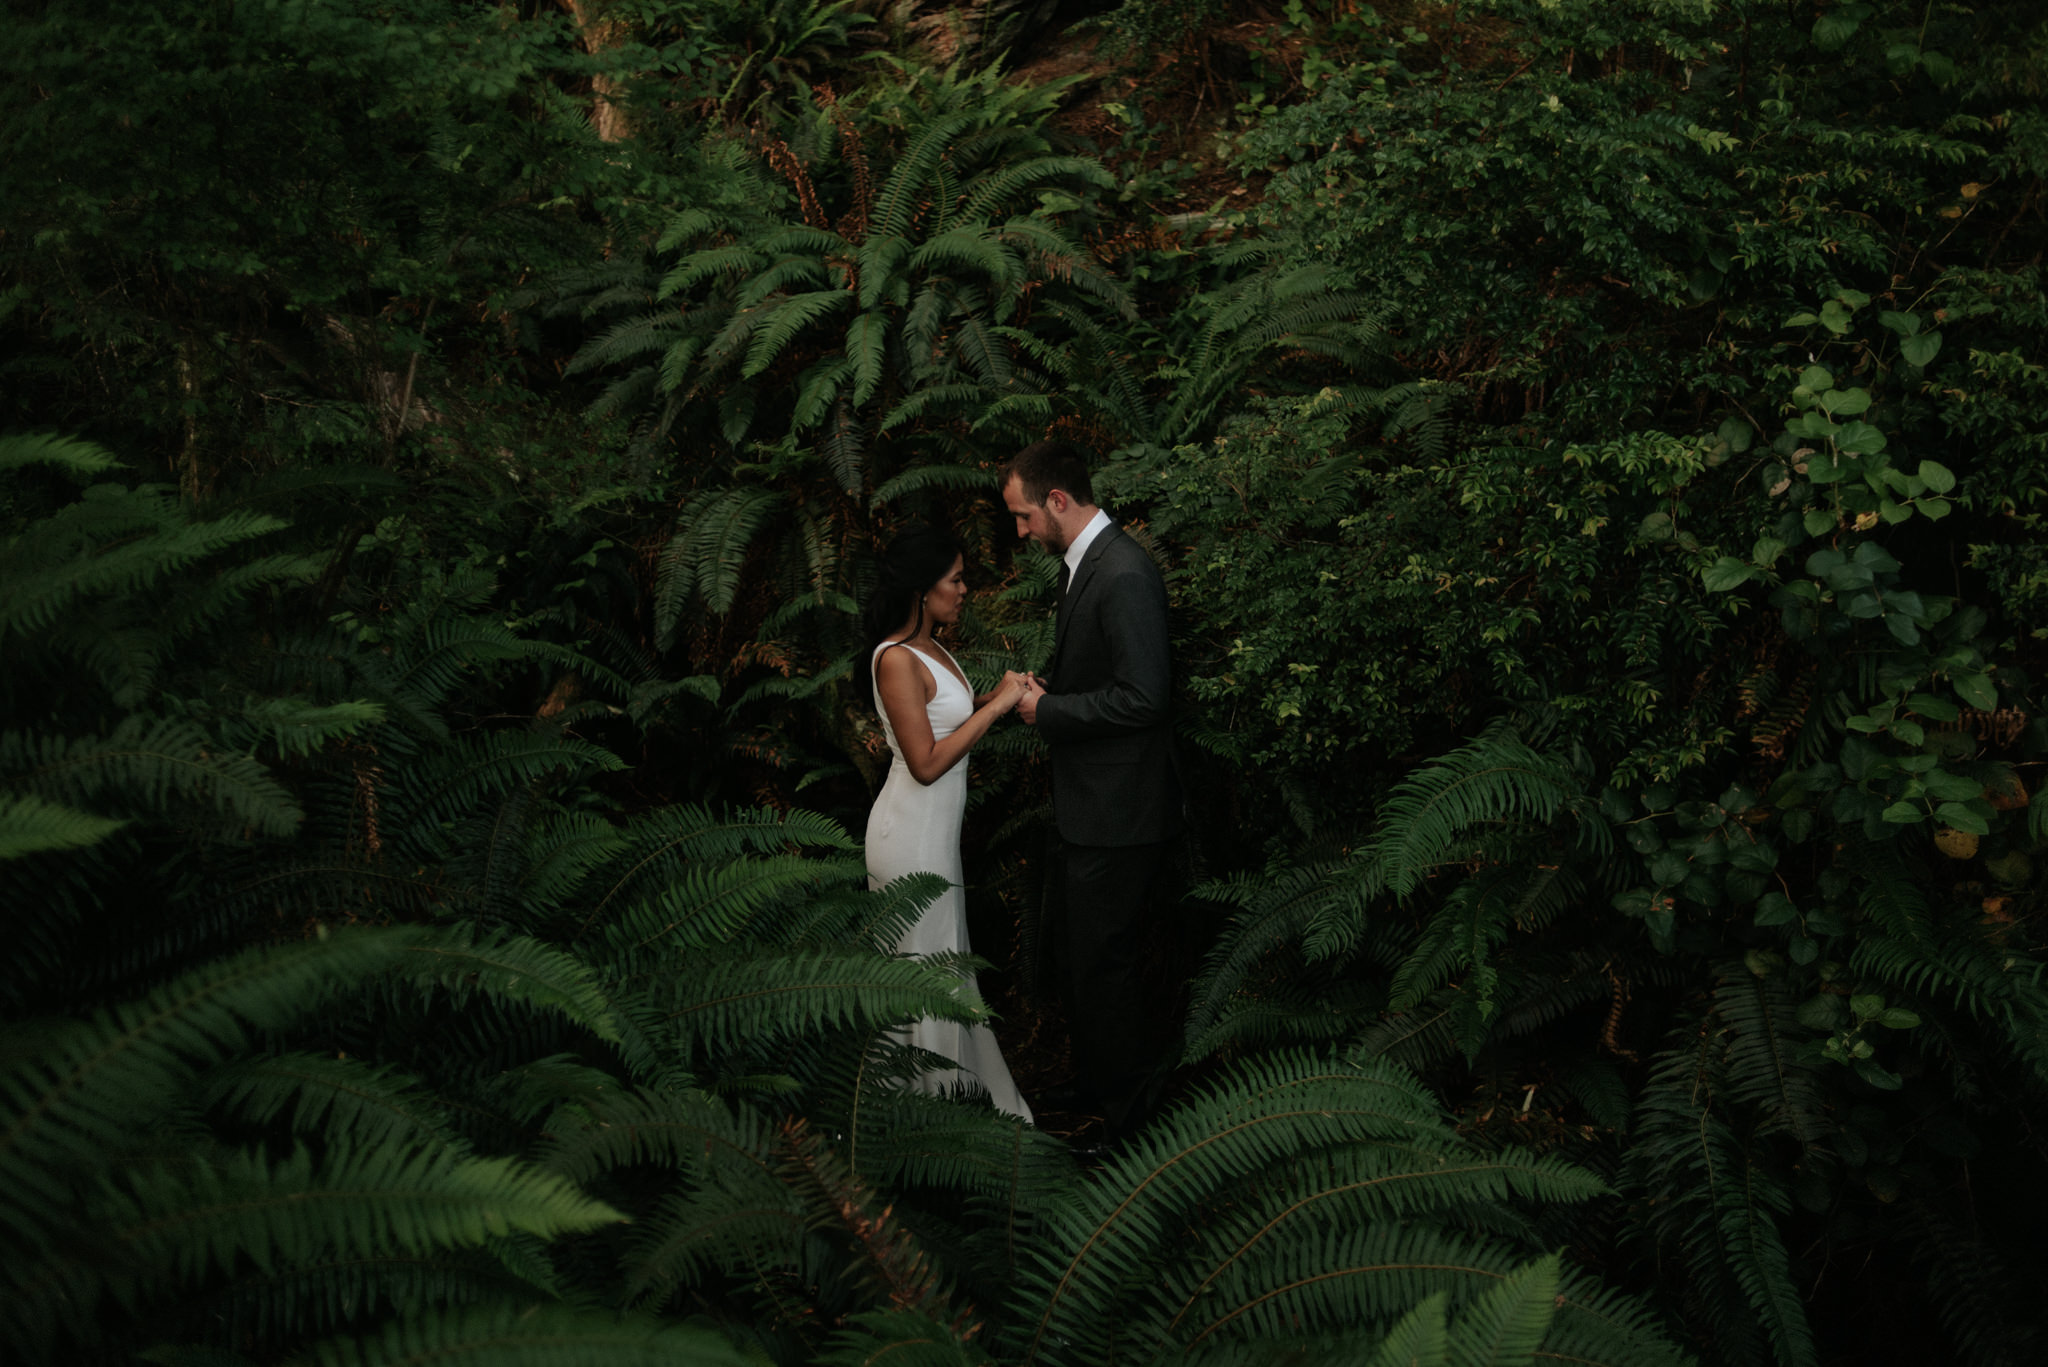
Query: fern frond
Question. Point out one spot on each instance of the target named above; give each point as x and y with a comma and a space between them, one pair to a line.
697, 267
485, 765
149, 765
30, 825
844, 446
995, 190
734, 1216
514, 968
973, 249
296, 728
897, 205
1299, 1010
336, 1294
1285, 1105
428, 666
688, 224
880, 261
964, 397
707, 553
363, 1105
1721, 1203
38, 593
867, 348
661, 844
1493, 778
1950, 959
900, 1338
787, 273
91, 1083
784, 320
201, 1218
538, 1335
1765, 1044
712, 905
562, 855
634, 341
1509, 1323
731, 1000
73, 455
1276, 907
682, 1131
821, 383
878, 919
925, 478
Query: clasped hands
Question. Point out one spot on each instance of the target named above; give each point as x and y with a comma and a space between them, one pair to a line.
1021, 691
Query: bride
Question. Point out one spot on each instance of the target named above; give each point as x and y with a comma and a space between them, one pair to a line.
931, 717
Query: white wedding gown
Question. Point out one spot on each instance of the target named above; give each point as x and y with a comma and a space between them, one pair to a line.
915, 828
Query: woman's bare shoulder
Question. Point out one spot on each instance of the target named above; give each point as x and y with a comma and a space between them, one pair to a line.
901, 666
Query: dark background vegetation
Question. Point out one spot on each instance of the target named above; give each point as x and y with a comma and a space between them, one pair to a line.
1595, 448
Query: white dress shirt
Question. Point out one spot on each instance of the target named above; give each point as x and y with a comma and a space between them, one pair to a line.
1078, 547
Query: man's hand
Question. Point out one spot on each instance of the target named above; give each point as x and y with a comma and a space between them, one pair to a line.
1027, 706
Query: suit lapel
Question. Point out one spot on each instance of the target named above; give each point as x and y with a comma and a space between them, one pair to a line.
1075, 588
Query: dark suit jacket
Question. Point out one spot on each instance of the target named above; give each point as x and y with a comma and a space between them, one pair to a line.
1107, 715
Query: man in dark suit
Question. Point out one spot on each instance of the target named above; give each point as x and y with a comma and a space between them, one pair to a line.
1104, 710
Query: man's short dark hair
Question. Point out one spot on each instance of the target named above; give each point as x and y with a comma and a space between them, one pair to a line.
1045, 466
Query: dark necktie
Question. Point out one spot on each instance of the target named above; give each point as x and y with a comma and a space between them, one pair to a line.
1066, 573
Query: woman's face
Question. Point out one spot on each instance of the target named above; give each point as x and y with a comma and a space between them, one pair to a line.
942, 601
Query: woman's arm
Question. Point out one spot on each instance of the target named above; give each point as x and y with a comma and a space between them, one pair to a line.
906, 686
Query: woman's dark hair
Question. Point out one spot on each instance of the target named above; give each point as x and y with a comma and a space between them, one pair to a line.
910, 565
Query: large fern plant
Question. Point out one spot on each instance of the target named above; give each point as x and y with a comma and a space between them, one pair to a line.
1749, 1095
452, 1057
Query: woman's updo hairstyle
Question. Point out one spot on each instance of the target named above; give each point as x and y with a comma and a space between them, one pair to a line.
917, 559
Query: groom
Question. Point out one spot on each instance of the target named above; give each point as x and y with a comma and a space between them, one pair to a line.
1103, 709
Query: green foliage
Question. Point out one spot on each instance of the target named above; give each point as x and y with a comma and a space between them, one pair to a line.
1801, 893
1596, 462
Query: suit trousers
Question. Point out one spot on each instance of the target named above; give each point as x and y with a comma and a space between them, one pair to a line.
1116, 1029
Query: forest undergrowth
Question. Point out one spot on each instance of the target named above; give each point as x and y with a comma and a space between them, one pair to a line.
1594, 450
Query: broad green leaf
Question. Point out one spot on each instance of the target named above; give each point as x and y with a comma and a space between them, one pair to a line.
1965, 819
1846, 402
1859, 439
1975, 689
1921, 348
1955, 787
1669, 867
1933, 708
1726, 573
1775, 909
1937, 476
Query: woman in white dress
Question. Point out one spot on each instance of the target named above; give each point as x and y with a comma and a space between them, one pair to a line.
931, 717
